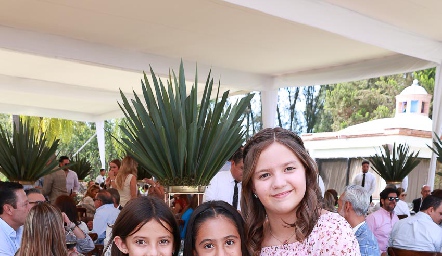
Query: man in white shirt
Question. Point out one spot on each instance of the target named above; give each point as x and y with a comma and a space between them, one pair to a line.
366, 179
420, 232
14, 208
101, 177
227, 185
72, 184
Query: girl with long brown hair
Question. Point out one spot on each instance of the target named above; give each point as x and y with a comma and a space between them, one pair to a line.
281, 201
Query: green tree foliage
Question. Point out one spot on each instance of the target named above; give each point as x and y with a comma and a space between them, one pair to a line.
54, 128
361, 101
253, 120
426, 79
314, 97
287, 113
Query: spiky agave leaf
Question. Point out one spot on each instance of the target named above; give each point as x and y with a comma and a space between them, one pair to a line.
395, 164
177, 140
81, 165
27, 155
437, 148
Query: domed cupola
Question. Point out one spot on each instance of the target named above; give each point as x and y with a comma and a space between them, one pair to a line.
413, 100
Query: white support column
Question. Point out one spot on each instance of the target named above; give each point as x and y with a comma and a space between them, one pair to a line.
269, 101
101, 145
437, 120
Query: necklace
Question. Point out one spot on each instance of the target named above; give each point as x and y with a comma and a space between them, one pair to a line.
286, 241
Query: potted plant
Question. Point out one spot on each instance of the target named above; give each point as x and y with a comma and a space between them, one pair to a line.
394, 165
81, 166
180, 141
437, 148
27, 155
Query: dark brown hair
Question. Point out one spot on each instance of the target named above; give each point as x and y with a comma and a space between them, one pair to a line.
66, 204
117, 162
138, 212
254, 213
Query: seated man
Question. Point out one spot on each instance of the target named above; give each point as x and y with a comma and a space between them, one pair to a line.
352, 205
115, 197
382, 221
420, 232
14, 207
425, 191
105, 215
35, 196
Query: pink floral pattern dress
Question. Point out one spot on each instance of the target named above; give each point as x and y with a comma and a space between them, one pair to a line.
332, 235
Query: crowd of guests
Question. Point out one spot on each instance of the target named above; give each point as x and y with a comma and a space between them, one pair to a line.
281, 211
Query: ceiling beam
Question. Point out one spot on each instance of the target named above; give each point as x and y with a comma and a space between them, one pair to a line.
116, 58
349, 24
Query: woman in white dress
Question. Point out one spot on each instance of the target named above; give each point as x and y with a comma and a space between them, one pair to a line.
126, 180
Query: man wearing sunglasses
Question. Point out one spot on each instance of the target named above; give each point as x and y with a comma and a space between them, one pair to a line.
381, 222
420, 232
35, 196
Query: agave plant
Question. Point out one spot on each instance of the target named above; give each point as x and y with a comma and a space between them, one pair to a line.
178, 140
394, 165
437, 148
81, 166
142, 173
27, 155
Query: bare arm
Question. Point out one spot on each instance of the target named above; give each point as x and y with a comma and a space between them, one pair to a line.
133, 187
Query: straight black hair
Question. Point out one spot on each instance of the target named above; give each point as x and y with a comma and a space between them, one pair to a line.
207, 211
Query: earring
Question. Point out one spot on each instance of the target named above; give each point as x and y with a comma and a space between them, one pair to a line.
255, 195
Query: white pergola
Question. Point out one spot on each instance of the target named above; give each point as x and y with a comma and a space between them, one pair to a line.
68, 59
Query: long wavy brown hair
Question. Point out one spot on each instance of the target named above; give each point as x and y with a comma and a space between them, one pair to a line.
43, 232
254, 213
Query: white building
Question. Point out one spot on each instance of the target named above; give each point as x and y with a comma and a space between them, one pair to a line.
339, 154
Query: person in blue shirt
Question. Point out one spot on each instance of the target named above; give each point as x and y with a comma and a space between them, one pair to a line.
353, 205
186, 215
105, 215
14, 208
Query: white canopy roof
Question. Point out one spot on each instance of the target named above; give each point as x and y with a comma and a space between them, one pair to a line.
68, 59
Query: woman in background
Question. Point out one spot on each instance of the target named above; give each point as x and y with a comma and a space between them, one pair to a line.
187, 212
145, 226
88, 200
329, 202
402, 206
78, 228
126, 180
114, 167
43, 233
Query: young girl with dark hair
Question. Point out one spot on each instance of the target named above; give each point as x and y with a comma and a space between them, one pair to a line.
215, 228
145, 226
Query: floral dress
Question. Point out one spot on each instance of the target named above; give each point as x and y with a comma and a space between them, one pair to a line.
332, 235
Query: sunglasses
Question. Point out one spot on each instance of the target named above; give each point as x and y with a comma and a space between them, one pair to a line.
393, 199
